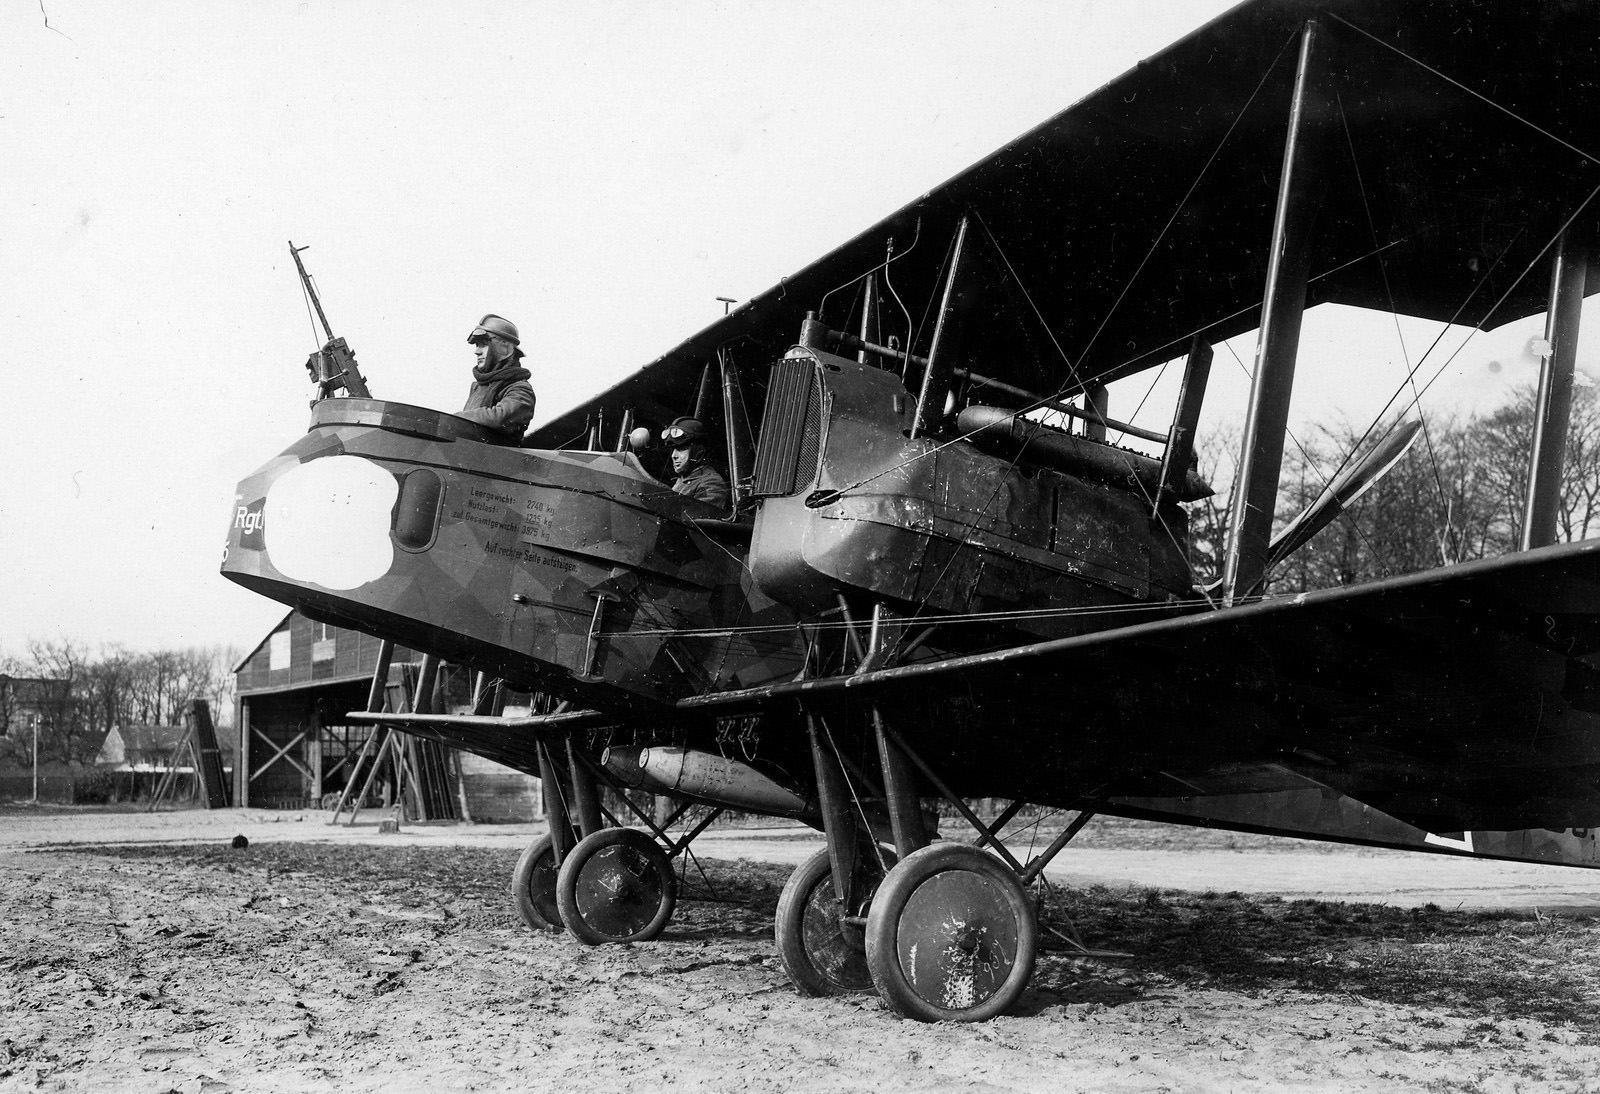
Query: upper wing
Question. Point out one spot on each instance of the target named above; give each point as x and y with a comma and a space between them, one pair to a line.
1459, 698
1455, 140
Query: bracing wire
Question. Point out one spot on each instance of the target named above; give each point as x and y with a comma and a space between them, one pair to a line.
1388, 290
1377, 251
856, 797
1122, 295
1326, 480
1501, 299
1193, 186
1010, 615
1413, 370
1508, 112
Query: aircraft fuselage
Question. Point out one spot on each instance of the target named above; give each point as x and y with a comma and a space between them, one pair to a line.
571, 572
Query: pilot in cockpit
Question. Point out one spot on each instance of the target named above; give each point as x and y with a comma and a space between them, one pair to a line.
697, 478
500, 398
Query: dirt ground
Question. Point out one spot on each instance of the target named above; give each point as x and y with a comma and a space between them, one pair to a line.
144, 953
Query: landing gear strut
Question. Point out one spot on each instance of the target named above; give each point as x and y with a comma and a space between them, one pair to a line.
593, 877
950, 932
534, 880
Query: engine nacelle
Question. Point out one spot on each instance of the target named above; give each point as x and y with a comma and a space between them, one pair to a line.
851, 503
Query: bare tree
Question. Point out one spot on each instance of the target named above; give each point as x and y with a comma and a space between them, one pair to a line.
1501, 446
65, 733
79, 697
10, 669
1458, 495
1218, 454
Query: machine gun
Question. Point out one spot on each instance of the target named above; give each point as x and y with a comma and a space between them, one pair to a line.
333, 366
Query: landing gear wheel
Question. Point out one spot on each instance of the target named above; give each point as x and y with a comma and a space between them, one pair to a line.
533, 886
823, 955
616, 885
951, 936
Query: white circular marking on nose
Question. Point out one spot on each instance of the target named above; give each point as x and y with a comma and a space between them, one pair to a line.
327, 522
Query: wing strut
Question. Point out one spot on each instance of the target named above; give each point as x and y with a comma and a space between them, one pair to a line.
736, 430
1282, 307
941, 357
1180, 439
1553, 408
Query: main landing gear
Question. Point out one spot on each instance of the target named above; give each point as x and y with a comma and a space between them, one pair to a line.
599, 881
821, 940
533, 885
944, 932
951, 936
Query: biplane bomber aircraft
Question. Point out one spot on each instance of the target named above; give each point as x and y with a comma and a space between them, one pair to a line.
949, 572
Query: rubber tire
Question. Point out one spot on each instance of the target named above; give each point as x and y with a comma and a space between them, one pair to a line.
637, 854
533, 886
1000, 892
797, 911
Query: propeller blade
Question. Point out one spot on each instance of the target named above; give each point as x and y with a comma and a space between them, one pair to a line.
1343, 492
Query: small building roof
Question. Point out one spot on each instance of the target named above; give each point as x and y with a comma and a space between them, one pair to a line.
147, 746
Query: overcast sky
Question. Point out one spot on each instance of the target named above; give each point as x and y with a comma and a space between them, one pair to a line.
598, 172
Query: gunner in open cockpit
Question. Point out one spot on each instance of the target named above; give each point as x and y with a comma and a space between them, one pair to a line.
686, 437
500, 398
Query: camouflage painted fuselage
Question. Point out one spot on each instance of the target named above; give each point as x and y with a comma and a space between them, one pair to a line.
572, 572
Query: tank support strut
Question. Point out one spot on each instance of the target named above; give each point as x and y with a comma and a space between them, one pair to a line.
555, 804
673, 847
838, 820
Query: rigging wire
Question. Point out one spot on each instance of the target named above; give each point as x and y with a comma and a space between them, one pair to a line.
1305, 453
1388, 290
1149, 391
1009, 615
1072, 369
1377, 251
1507, 111
1501, 299
1526, 271
914, 333
1122, 295
1184, 201
856, 797
1410, 379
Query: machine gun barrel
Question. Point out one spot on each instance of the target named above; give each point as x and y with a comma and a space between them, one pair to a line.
334, 365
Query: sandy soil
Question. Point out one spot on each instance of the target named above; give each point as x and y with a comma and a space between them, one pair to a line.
142, 953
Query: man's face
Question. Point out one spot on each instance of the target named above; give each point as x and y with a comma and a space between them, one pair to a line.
489, 350
682, 459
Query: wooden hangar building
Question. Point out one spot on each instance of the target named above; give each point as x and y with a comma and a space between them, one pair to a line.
296, 750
